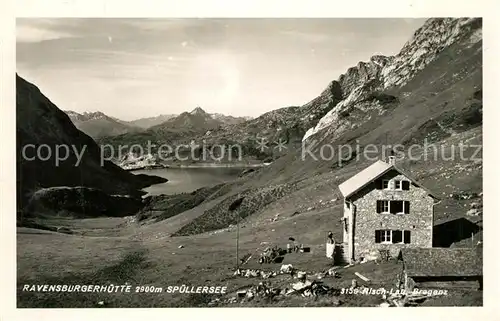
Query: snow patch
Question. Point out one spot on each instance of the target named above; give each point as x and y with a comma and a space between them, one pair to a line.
476, 36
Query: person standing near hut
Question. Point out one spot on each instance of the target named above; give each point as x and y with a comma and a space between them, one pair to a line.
330, 247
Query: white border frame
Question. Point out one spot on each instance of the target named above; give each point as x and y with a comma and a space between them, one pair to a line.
256, 8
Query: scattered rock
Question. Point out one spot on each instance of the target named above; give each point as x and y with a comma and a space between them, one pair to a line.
332, 272
308, 288
65, 230
249, 295
301, 275
473, 212
215, 301
299, 286
246, 171
286, 268
475, 205
252, 273
464, 195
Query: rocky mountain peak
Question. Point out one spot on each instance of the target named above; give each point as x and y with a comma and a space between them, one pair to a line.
86, 116
198, 111
94, 115
426, 43
380, 72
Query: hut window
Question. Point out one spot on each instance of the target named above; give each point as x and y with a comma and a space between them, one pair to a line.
392, 236
397, 236
407, 237
393, 207
383, 236
395, 184
383, 206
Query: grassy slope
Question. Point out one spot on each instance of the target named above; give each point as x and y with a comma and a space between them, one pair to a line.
120, 251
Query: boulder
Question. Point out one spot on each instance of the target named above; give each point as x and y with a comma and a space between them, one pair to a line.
81, 202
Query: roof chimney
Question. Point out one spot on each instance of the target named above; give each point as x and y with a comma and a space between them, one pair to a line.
392, 160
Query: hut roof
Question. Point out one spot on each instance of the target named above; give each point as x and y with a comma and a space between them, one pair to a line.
431, 262
371, 173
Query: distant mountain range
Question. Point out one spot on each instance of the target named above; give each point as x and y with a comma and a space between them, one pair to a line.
148, 122
98, 124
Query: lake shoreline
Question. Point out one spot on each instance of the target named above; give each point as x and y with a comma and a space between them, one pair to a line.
188, 179
210, 165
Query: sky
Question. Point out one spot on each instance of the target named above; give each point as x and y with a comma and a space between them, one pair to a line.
136, 68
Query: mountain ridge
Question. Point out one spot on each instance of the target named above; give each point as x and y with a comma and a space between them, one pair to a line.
97, 124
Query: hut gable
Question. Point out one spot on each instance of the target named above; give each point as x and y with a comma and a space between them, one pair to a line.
372, 173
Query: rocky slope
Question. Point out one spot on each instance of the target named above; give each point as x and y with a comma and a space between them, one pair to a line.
98, 124
196, 119
359, 84
43, 127
81, 202
228, 119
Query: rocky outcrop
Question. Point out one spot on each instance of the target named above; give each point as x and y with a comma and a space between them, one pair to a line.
381, 73
235, 208
80, 202
427, 42
98, 124
132, 162
229, 120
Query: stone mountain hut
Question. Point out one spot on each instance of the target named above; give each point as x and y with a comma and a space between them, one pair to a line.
385, 210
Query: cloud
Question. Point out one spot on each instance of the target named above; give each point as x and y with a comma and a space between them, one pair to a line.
27, 33
306, 36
